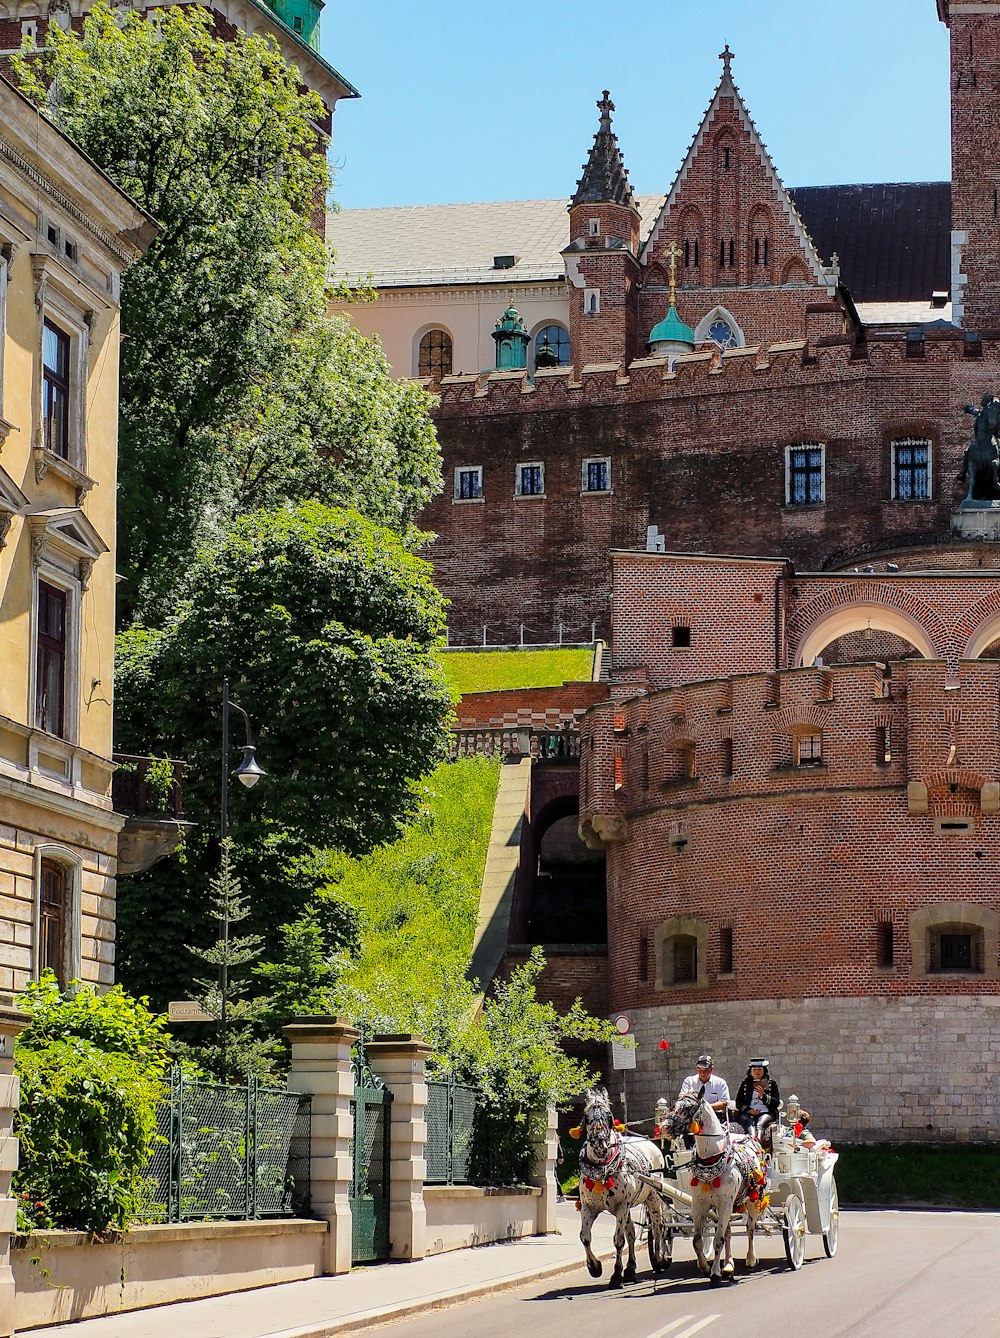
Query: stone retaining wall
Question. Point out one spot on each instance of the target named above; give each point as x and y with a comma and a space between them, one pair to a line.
868, 1070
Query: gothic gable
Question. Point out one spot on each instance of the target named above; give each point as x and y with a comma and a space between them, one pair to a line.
728, 212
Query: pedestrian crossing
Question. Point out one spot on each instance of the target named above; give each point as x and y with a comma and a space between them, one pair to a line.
684, 1326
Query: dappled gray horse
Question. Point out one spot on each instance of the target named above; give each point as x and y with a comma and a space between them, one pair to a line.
611, 1162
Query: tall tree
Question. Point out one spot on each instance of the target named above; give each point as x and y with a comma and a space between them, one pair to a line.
326, 625
235, 390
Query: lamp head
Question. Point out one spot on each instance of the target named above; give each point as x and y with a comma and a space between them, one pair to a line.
249, 772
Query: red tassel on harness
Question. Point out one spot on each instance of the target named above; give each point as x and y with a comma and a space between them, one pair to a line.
717, 1182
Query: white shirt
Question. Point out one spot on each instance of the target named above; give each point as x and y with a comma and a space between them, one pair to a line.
716, 1088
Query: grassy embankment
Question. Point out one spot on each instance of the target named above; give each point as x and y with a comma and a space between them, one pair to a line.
908, 1174
493, 670
417, 900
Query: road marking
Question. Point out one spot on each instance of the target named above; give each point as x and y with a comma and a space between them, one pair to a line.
671, 1329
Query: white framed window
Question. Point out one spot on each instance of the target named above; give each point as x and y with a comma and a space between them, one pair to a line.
530, 480
594, 227
59, 437
911, 469
468, 483
805, 474
57, 914
596, 474
592, 301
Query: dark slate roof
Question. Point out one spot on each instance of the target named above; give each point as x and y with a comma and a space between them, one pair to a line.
604, 180
893, 240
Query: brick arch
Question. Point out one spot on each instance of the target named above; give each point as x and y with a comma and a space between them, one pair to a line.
886, 608
979, 626
656, 275
798, 719
796, 271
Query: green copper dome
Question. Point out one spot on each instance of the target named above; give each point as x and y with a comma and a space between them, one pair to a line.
671, 330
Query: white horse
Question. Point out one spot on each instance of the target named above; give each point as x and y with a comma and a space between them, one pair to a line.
727, 1175
609, 1168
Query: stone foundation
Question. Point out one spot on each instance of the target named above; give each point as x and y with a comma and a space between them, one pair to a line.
869, 1070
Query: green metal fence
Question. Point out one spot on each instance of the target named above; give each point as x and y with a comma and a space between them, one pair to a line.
371, 1155
451, 1115
229, 1152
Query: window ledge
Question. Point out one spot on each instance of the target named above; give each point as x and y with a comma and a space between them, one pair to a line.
597, 492
530, 496
47, 462
803, 506
465, 501
5, 430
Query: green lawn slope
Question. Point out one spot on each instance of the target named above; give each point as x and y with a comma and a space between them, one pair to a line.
417, 901
493, 670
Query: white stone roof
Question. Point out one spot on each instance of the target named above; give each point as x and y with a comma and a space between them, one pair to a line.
426, 244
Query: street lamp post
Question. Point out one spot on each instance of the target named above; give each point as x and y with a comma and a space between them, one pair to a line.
248, 773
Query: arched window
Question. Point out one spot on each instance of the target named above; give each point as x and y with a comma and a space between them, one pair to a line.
552, 347
435, 358
723, 333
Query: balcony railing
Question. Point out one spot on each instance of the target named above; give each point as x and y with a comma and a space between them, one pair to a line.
148, 787
539, 744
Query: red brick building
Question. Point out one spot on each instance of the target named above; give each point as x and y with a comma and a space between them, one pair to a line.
802, 855
798, 418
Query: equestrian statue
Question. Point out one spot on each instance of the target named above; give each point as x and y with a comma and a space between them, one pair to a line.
981, 462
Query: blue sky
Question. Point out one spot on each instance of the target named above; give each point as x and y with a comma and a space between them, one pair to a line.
470, 100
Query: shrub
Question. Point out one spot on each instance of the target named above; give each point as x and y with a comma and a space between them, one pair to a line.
91, 1068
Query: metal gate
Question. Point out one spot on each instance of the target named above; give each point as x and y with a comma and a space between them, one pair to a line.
371, 1109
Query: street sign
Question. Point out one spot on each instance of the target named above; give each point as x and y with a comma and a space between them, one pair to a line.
622, 1055
187, 1010
622, 1024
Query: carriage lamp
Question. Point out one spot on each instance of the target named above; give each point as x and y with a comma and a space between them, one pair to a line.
792, 1110
660, 1118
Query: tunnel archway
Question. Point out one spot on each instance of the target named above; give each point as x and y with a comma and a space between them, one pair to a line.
567, 902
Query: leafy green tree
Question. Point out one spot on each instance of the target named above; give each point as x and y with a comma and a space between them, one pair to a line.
327, 626
236, 392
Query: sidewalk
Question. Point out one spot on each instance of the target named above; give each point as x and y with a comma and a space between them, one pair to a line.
367, 1296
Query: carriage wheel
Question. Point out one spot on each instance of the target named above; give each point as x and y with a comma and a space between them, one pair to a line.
832, 1233
794, 1231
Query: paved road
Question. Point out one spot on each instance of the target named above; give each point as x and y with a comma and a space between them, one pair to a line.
896, 1275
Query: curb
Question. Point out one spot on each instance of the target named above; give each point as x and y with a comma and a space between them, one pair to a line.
368, 1319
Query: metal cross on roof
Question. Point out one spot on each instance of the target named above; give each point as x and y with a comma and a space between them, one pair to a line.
726, 57
673, 253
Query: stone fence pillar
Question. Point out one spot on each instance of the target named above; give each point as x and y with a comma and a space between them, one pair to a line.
12, 1020
399, 1061
321, 1066
544, 1174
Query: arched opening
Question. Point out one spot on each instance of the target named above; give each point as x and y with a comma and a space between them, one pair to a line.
720, 325
568, 902
435, 354
864, 632
550, 346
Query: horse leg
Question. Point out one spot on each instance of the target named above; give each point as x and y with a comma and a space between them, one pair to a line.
616, 1277
629, 1274
728, 1267
594, 1266
751, 1225
699, 1242
718, 1248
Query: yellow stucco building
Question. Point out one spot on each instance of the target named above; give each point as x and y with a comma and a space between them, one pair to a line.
66, 234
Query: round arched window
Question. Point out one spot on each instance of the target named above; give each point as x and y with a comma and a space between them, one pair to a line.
435, 358
552, 347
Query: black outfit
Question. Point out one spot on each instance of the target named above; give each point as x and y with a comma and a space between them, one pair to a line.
757, 1123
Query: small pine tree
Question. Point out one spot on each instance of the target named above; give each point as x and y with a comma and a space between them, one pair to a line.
238, 1046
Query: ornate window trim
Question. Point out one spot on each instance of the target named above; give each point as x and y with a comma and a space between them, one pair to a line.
59, 306
792, 449
72, 949
894, 451
587, 475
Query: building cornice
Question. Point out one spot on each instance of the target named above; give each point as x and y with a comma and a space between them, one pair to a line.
66, 805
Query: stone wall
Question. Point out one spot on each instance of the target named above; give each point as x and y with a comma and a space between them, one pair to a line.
868, 1070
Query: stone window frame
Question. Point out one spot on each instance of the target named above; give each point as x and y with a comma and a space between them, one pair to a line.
681, 926
591, 301
72, 951
801, 446
954, 917
519, 494
719, 313
478, 497
60, 306
894, 467
585, 474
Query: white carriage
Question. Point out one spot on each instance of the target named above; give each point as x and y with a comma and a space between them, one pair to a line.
801, 1188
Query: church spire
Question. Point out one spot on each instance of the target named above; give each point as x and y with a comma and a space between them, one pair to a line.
604, 179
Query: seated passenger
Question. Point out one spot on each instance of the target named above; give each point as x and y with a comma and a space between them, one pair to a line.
757, 1100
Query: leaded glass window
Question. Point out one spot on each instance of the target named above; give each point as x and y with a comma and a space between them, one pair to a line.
911, 465
805, 475
552, 347
435, 355
723, 334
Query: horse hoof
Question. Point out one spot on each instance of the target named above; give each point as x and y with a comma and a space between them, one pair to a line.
629, 1275
615, 1281
728, 1270
595, 1269
715, 1280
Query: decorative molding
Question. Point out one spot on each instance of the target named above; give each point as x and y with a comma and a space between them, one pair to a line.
59, 197
6, 517
47, 461
86, 569
90, 320
40, 278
